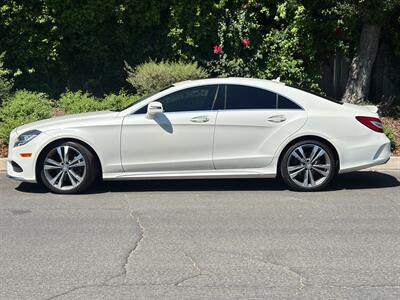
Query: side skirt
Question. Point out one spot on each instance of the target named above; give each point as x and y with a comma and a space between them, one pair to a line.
247, 173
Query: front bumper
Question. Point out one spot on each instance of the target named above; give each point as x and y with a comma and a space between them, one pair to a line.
23, 168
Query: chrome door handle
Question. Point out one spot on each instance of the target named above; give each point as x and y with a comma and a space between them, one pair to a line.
277, 119
200, 119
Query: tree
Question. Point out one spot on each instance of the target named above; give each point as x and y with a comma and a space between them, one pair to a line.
372, 15
5, 83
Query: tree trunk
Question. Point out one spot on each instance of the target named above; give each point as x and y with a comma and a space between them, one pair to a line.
358, 82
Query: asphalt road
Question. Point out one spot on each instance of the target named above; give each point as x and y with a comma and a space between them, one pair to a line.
204, 239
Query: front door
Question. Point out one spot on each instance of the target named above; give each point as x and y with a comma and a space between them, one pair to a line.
179, 139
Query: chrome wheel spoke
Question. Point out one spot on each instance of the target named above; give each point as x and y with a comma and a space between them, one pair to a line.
60, 182
297, 156
323, 173
75, 160
54, 180
76, 176
59, 151
305, 180
52, 167
53, 162
72, 179
77, 164
314, 151
66, 148
301, 150
319, 154
294, 174
311, 177
295, 168
325, 167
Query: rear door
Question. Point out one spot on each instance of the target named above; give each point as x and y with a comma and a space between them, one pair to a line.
252, 126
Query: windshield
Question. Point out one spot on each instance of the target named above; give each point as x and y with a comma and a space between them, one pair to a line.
143, 98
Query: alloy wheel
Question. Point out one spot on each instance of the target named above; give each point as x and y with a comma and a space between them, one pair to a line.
65, 167
309, 166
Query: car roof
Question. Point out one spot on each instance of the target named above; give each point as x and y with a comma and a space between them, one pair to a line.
301, 97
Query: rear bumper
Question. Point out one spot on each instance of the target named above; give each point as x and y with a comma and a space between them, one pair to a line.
364, 152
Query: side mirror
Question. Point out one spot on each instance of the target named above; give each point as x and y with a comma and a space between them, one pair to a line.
154, 108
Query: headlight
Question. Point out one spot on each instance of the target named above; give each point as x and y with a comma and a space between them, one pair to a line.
26, 137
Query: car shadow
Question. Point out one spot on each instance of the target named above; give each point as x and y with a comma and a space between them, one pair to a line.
350, 181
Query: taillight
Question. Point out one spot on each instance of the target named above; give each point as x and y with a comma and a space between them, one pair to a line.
372, 123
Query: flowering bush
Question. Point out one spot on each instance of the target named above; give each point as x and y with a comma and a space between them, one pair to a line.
249, 38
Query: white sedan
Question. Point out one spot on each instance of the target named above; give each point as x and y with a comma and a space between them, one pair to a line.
212, 128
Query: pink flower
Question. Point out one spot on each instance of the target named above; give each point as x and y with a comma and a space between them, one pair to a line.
217, 49
246, 42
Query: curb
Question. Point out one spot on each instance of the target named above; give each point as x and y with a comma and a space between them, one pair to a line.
3, 164
392, 165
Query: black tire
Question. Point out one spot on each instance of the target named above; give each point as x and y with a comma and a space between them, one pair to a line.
295, 183
87, 177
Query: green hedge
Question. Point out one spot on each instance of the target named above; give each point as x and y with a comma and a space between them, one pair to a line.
152, 76
22, 108
80, 102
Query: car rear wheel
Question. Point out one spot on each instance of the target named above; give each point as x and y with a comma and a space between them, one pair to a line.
308, 166
68, 168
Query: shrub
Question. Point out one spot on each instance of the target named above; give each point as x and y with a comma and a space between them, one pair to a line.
150, 77
22, 108
389, 133
78, 102
120, 101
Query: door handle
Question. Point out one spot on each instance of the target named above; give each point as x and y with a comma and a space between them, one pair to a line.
277, 119
200, 119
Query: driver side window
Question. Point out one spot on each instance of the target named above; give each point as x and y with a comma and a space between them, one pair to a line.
191, 99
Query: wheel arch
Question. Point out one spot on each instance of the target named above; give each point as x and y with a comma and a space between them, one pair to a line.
309, 137
62, 140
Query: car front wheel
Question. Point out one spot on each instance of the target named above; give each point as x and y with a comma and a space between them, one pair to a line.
68, 168
308, 166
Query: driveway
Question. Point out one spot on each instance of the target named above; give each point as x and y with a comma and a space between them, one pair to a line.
202, 239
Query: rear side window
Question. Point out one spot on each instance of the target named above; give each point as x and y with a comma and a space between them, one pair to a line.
246, 97
285, 103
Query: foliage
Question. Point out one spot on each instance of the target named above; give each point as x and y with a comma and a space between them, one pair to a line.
80, 44
153, 76
251, 39
119, 101
390, 135
78, 102
5, 83
22, 108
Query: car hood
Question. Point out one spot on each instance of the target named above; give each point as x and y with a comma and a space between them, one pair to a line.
65, 121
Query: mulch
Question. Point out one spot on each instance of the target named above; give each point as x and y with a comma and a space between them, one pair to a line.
394, 125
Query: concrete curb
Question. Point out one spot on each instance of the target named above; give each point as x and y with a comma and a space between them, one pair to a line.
3, 164
392, 165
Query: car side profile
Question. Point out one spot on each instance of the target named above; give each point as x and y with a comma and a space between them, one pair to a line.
211, 128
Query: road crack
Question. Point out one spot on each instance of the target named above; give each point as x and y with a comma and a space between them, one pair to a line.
198, 271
